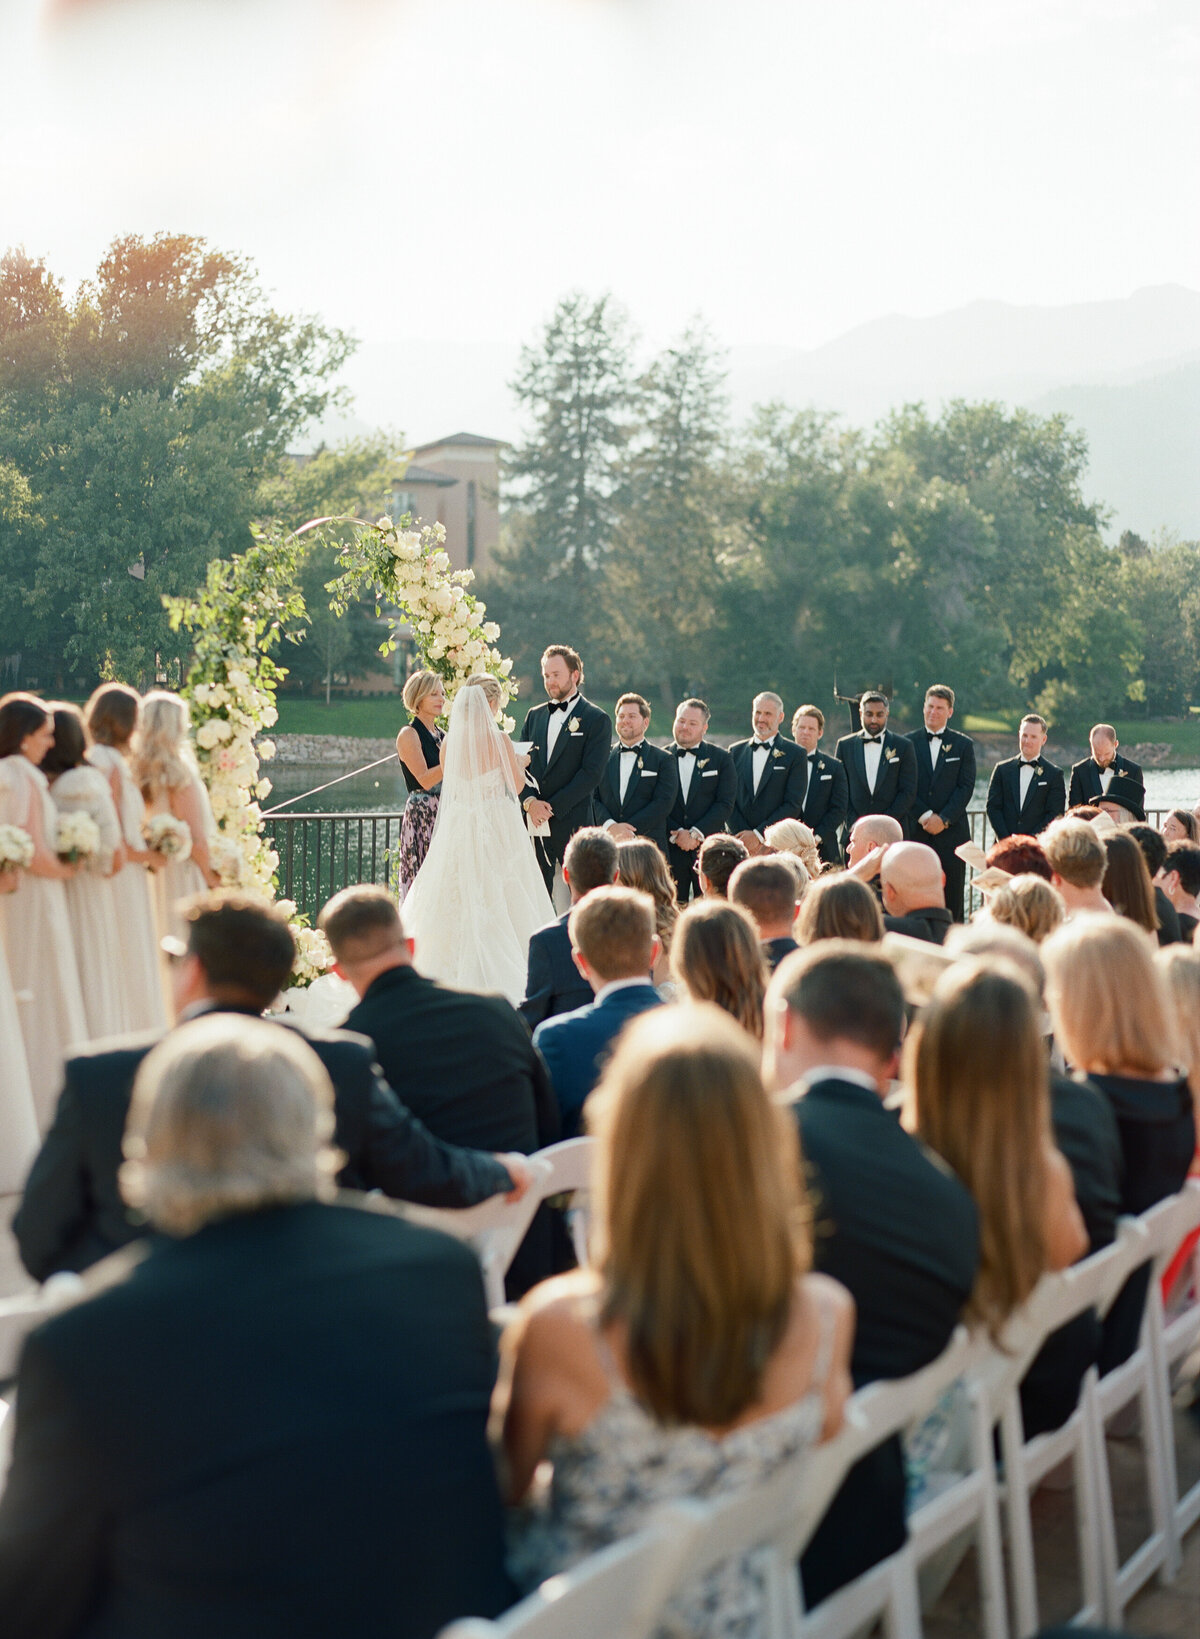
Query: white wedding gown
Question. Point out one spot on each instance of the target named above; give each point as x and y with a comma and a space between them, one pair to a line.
479, 895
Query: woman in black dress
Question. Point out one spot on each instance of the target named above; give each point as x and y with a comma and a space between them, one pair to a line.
419, 747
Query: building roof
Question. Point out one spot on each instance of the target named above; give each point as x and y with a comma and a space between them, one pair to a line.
414, 474
472, 439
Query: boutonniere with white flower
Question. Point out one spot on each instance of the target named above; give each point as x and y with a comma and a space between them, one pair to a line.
1037, 773
778, 753
892, 756
641, 764
702, 762
573, 725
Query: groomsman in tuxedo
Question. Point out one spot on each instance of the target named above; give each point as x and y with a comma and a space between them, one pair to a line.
640, 785
945, 786
825, 795
707, 791
1026, 793
567, 759
770, 776
1090, 778
881, 766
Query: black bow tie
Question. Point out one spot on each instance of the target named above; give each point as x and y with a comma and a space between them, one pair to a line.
560, 705
930, 735
685, 751
1025, 763
872, 739
763, 745
625, 750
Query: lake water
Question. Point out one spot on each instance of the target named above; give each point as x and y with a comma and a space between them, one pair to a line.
382, 790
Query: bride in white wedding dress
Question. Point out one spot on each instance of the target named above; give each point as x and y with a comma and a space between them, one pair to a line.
479, 894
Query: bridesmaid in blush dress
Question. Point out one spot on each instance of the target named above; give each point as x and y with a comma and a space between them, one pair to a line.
112, 718
33, 920
166, 773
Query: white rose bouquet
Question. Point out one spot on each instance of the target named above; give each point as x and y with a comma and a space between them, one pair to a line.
16, 848
77, 838
168, 836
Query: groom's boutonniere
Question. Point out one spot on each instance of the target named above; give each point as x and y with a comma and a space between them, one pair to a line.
573, 725
1037, 773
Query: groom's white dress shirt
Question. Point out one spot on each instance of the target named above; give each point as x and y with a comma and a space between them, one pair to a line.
555, 726
1026, 781
686, 762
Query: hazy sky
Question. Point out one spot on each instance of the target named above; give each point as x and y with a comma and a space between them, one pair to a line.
446, 168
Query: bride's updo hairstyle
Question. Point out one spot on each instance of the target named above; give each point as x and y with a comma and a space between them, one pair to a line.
701, 1223
20, 716
112, 715
164, 761
491, 688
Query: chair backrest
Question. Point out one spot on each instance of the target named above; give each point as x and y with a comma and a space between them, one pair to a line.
570, 1163
495, 1228
1168, 1222
614, 1594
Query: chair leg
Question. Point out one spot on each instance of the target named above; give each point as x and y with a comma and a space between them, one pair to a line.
1106, 1526
1089, 1511
991, 1552
1020, 1526
1163, 1474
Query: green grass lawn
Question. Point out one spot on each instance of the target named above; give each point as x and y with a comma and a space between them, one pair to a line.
360, 719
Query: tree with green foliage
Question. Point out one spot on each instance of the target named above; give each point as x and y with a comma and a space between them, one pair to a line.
143, 414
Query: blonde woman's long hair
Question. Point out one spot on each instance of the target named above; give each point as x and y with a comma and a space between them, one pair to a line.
1180, 968
1107, 999
701, 1219
716, 956
162, 760
979, 1088
642, 865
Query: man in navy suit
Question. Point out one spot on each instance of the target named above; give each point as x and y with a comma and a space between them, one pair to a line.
707, 790
1090, 778
945, 786
1026, 793
893, 1223
570, 740
881, 766
770, 776
825, 795
639, 786
612, 935
554, 984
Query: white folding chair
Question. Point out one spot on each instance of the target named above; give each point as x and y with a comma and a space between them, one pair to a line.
1092, 1284
615, 1594
890, 1589
1142, 1378
19, 1315
495, 1228
1180, 1332
571, 1164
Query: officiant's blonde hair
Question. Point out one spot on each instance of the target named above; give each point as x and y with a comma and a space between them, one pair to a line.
417, 687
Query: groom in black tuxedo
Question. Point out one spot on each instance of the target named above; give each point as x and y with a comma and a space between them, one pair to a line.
945, 786
567, 759
770, 776
881, 766
1027, 792
640, 784
707, 790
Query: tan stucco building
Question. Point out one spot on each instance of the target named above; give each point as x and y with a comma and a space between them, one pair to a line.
456, 482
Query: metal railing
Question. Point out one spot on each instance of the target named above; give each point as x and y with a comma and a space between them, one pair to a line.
321, 853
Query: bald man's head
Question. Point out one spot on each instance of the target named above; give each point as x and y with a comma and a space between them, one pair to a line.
870, 832
912, 878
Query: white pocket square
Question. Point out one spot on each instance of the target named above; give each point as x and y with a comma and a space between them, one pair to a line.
709, 773
649, 773
826, 776
952, 759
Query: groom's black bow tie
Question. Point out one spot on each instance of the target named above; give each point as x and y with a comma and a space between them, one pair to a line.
637, 747
560, 705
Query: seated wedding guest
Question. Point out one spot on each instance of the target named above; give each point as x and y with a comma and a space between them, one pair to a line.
1077, 864
707, 787
1154, 852
1092, 777
615, 946
238, 956
112, 720
1026, 792
718, 858
78, 788
34, 921
640, 783
978, 1086
164, 767
1181, 884
767, 889
870, 835
892, 1223
419, 748
698, 1354
1126, 882
826, 796
1124, 801
1029, 904
717, 958
462, 1062
1180, 826
1180, 967
641, 864
270, 1419
1112, 1019
914, 892
554, 984
1019, 855
839, 907
794, 838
